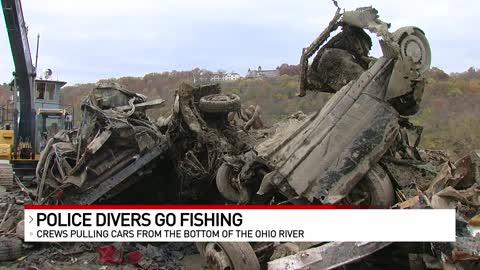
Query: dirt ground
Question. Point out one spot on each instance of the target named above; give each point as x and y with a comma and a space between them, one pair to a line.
84, 256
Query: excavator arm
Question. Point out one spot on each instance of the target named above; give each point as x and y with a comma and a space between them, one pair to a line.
25, 72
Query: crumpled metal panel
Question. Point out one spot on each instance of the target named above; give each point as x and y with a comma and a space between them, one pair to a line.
328, 256
114, 135
338, 146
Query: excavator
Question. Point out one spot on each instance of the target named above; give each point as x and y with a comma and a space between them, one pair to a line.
37, 113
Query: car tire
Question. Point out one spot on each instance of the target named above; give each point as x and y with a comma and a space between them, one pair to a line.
239, 255
375, 189
414, 43
10, 248
224, 182
220, 103
380, 187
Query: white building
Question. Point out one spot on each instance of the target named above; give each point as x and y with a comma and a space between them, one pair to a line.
232, 76
219, 77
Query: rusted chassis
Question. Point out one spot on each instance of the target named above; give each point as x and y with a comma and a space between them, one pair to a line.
329, 154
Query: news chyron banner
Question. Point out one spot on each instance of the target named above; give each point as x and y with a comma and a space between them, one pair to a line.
192, 223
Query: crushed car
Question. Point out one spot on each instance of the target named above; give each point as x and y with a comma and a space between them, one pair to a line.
354, 150
114, 146
320, 158
117, 145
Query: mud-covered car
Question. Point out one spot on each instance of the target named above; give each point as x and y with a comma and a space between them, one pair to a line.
332, 156
323, 157
202, 136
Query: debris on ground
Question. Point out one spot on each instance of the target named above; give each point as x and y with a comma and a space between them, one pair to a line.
211, 150
112, 254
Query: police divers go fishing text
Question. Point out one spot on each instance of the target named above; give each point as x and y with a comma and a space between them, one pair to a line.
125, 219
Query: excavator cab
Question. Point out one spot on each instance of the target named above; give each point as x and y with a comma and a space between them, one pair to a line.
24, 158
48, 123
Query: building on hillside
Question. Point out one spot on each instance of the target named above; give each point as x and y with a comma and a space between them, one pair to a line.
217, 77
260, 73
232, 76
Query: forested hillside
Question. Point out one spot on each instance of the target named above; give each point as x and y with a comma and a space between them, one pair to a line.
450, 108
451, 111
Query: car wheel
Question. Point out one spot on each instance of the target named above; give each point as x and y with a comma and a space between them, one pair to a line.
219, 103
375, 189
10, 248
228, 255
414, 43
228, 188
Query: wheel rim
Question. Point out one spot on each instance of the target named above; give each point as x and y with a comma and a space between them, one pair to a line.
360, 195
230, 186
412, 47
374, 189
415, 45
217, 258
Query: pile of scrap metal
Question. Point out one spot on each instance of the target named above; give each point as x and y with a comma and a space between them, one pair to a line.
115, 142
360, 148
325, 156
433, 182
12, 220
455, 186
202, 134
349, 151
116, 145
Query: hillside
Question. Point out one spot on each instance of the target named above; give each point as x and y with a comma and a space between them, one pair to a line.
449, 113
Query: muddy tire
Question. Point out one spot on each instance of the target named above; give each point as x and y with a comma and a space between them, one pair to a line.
229, 255
414, 43
380, 187
225, 185
10, 248
376, 187
219, 103
20, 230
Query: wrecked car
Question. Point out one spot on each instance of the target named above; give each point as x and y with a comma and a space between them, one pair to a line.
115, 145
332, 156
359, 148
201, 136
323, 156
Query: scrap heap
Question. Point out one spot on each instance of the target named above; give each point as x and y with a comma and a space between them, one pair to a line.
206, 155
114, 132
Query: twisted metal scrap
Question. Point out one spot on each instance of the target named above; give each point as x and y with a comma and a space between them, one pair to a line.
97, 125
365, 18
310, 50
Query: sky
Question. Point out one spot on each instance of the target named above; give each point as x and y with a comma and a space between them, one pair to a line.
84, 41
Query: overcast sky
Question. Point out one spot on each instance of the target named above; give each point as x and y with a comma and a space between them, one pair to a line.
87, 40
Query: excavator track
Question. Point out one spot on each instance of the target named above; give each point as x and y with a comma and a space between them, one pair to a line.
6, 175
